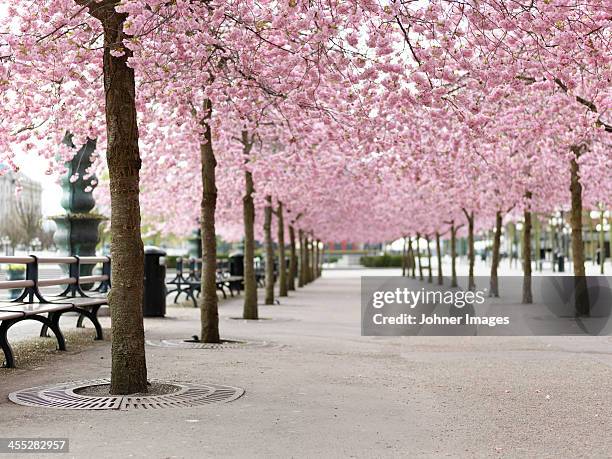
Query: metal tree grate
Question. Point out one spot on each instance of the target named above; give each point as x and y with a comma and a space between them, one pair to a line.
224, 344
63, 396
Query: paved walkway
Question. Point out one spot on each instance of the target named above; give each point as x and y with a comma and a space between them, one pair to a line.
328, 392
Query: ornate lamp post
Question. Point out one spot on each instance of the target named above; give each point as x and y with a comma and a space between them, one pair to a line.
77, 229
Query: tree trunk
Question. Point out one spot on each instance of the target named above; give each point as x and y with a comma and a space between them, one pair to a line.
527, 295
321, 258
429, 273
418, 255
610, 231
269, 251
471, 251
302, 274
553, 246
318, 258
411, 260
602, 243
249, 310
209, 300
453, 255
128, 367
581, 293
313, 261
282, 264
494, 287
292, 260
306, 260
439, 254
404, 258
537, 242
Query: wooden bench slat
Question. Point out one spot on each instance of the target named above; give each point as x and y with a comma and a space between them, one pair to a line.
93, 260
7, 315
92, 279
16, 284
16, 260
81, 301
34, 308
59, 281
59, 260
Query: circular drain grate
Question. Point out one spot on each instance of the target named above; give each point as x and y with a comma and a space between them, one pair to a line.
63, 396
224, 344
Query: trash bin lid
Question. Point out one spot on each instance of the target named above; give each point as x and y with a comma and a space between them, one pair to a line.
152, 250
235, 254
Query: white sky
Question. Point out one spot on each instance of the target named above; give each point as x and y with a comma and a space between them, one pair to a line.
34, 167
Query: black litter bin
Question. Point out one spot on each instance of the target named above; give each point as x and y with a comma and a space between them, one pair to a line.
236, 264
154, 301
560, 263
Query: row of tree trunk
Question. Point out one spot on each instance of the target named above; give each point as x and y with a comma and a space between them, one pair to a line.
582, 302
412, 258
305, 265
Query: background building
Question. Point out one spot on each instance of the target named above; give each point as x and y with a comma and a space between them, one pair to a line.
20, 211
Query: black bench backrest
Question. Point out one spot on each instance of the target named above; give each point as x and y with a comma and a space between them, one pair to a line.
190, 269
73, 282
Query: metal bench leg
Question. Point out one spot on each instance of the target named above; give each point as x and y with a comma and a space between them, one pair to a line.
193, 298
51, 322
171, 291
93, 317
179, 290
54, 326
9, 359
44, 331
80, 321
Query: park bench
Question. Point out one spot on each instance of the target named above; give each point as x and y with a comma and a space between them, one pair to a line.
32, 304
224, 281
185, 275
188, 280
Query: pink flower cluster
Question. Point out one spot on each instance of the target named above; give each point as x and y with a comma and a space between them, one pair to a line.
369, 120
